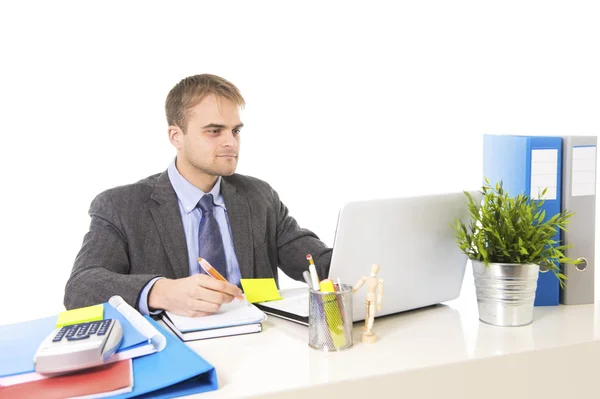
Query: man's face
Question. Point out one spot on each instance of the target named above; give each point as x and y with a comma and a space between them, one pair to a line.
212, 140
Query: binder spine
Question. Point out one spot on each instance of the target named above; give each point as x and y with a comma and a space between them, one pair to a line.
579, 196
547, 173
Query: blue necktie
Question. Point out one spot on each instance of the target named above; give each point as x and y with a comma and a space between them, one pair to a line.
210, 242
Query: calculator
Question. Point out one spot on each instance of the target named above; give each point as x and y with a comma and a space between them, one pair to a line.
78, 346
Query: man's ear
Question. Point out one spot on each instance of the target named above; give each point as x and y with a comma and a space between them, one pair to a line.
176, 136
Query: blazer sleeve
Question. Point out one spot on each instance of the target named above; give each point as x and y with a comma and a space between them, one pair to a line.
294, 242
101, 267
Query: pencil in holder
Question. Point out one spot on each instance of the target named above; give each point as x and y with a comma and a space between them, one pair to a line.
330, 319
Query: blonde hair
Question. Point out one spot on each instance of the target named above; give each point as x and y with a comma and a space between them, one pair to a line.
190, 91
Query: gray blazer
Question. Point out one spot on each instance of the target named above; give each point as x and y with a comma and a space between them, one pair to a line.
136, 234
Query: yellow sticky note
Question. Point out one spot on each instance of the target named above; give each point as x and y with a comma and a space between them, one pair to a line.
81, 315
260, 289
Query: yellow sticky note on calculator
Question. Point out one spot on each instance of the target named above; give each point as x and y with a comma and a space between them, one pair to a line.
260, 289
81, 315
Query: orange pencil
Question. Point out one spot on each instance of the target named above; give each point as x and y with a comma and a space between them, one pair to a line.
211, 271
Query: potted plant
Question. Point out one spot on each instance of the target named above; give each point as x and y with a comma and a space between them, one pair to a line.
509, 240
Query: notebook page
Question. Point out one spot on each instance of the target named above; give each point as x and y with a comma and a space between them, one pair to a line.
230, 314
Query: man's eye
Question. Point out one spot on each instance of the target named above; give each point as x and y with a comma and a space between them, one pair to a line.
236, 131
215, 131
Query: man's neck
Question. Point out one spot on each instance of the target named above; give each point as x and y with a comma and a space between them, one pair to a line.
203, 181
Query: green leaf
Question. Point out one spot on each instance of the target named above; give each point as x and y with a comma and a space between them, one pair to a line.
512, 229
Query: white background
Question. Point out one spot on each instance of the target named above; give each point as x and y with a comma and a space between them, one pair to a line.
346, 100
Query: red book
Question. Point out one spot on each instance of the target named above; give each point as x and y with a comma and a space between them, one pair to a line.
111, 377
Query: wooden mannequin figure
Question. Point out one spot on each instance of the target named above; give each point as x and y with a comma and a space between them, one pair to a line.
374, 296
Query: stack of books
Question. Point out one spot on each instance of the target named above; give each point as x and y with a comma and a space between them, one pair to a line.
234, 318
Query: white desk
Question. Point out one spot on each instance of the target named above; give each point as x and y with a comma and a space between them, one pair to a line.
437, 352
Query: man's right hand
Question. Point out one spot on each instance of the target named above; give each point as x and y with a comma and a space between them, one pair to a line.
197, 295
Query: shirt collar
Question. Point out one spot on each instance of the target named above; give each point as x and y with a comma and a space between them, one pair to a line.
188, 194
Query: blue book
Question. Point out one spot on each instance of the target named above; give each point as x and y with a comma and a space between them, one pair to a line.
527, 165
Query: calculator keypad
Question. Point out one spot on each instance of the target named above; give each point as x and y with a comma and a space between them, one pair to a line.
77, 332
104, 327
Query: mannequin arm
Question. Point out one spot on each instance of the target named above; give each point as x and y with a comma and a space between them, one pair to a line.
359, 284
379, 294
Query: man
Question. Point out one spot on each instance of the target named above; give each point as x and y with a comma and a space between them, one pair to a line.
145, 238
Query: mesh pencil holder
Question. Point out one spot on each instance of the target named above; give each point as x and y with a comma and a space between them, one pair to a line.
330, 319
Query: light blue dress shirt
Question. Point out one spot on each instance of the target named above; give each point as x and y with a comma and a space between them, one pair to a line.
188, 197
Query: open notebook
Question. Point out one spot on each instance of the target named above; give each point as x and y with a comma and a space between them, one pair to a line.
234, 318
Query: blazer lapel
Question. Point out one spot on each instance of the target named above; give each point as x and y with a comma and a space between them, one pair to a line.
169, 225
238, 212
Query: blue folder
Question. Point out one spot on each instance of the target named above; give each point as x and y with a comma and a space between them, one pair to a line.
509, 159
176, 370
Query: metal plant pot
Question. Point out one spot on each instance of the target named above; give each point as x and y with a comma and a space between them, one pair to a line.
505, 292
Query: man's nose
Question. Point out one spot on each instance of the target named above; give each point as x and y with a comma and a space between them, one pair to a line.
229, 140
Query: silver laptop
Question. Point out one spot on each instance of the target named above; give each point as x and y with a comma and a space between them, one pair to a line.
412, 241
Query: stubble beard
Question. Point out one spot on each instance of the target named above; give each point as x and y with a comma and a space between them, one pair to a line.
215, 170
